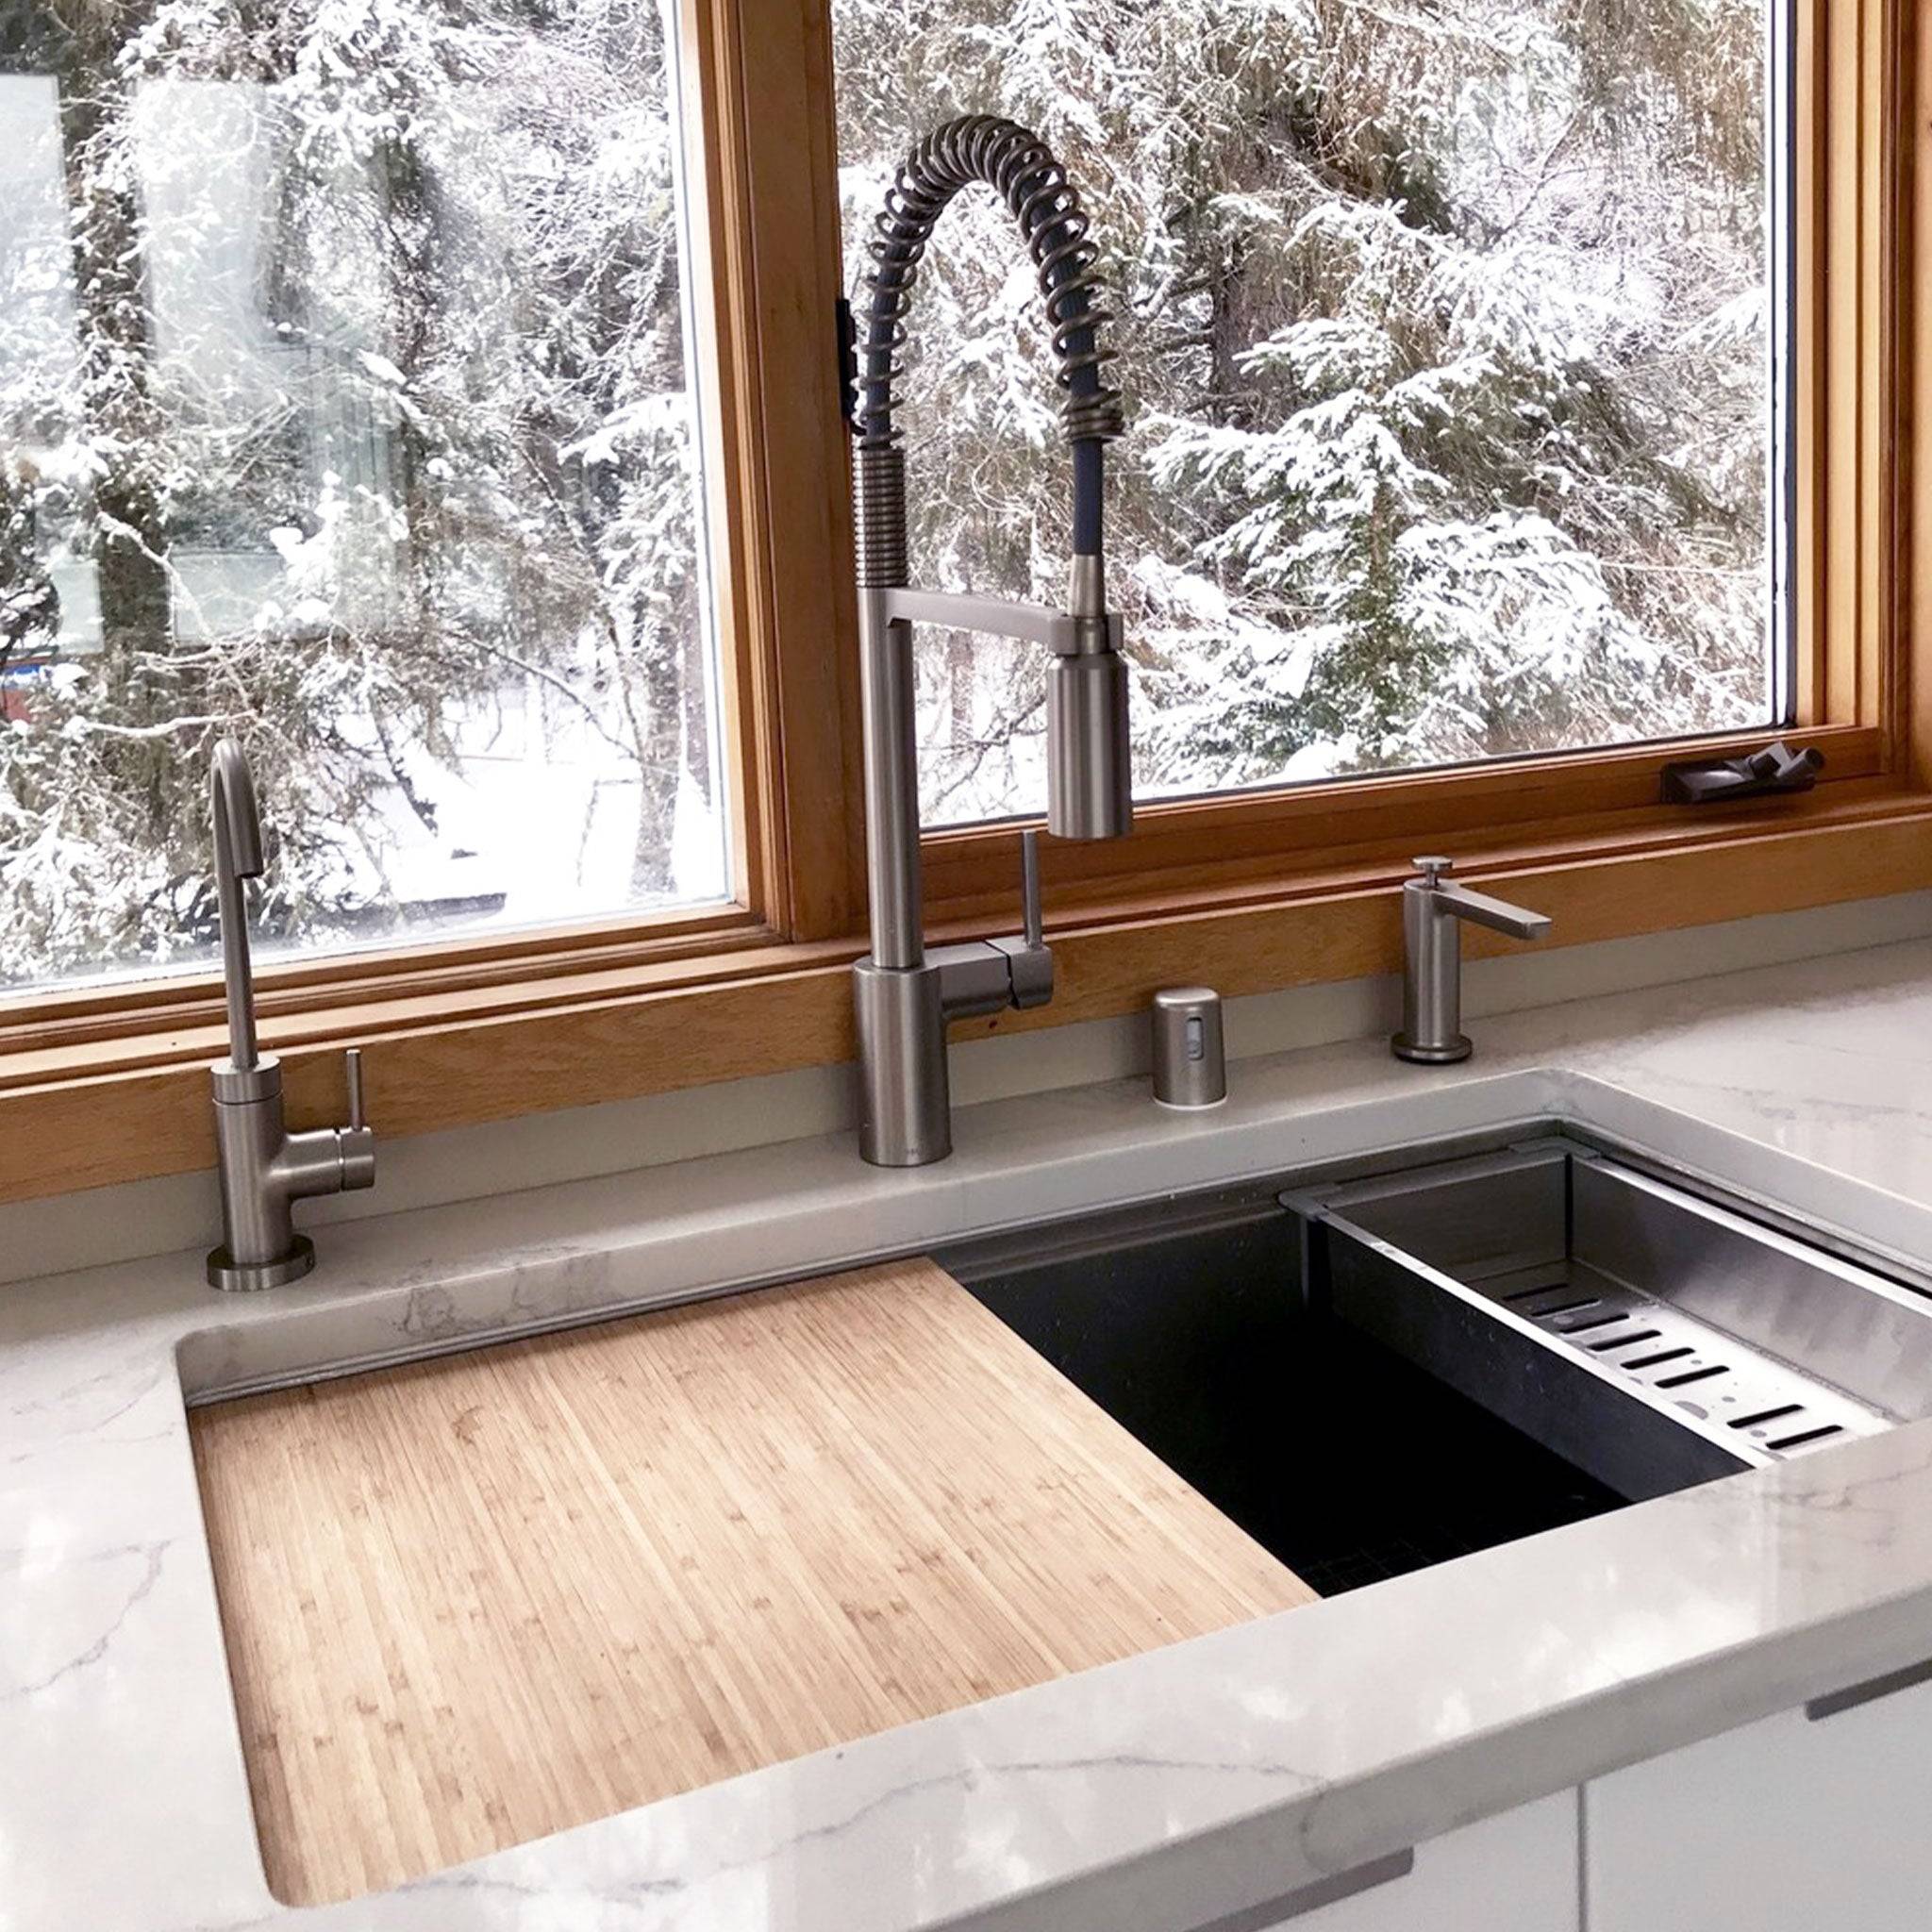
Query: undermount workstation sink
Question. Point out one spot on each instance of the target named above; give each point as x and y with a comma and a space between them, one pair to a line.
722, 1534
1436, 1355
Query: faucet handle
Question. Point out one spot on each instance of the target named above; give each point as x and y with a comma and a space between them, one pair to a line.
1031, 924
1450, 899
1028, 958
354, 1143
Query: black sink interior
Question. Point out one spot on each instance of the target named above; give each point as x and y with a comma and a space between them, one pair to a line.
1348, 1462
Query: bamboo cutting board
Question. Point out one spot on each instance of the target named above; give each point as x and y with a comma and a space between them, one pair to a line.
471, 1601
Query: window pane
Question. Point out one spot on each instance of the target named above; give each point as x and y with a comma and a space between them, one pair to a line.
1444, 331
344, 407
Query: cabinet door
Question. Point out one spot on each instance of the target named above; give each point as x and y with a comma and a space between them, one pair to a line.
1794, 1824
1516, 1872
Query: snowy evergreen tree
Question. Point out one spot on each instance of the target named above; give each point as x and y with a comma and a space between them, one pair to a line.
343, 407
1443, 329
451, 401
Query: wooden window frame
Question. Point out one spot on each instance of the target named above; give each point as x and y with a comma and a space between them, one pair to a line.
1277, 887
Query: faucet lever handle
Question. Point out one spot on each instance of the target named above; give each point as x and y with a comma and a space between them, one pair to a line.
351, 1072
1031, 924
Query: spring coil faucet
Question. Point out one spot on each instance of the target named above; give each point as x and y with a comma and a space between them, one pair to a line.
904, 995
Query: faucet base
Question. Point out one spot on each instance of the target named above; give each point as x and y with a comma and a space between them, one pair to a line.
225, 1271
905, 1105
1404, 1048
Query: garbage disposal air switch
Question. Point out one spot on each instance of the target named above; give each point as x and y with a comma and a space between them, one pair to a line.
1189, 1057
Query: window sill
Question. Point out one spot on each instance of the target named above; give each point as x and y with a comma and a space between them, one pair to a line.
103, 1103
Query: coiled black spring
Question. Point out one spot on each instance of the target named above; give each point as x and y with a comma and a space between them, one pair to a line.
1021, 168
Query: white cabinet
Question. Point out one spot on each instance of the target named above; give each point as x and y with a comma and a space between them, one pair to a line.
1788, 1826
1512, 1874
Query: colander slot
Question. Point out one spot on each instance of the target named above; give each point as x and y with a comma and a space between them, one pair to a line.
1595, 1322
1766, 1415
1663, 1355
1625, 1340
1803, 1436
1690, 1375
1582, 1302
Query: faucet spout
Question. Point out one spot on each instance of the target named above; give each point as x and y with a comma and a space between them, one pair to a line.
1480, 909
1089, 781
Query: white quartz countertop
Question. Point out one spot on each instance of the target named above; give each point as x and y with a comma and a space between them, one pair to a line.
1160, 1793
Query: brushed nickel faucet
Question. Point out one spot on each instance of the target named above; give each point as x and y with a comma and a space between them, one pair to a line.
1433, 909
903, 997
264, 1168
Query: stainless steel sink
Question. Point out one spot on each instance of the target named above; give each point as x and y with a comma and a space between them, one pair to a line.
1385, 1366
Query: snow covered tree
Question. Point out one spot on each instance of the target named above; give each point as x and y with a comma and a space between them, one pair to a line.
1443, 327
423, 367
344, 407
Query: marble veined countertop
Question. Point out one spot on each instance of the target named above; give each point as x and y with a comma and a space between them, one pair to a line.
1159, 1793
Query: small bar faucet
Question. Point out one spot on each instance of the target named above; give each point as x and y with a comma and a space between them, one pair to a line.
1433, 909
902, 996
264, 1169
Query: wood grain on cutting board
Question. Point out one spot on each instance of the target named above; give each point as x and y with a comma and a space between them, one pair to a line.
471, 1601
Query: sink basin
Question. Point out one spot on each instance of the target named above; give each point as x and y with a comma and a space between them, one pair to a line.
1431, 1355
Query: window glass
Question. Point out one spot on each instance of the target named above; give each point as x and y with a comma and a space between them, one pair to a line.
344, 407
1446, 333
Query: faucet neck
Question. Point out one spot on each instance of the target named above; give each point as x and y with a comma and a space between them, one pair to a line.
1019, 167
238, 976
238, 855
895, 891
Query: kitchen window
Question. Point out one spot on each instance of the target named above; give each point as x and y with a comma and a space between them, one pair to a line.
347, 405
1754, 412
1453, 336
